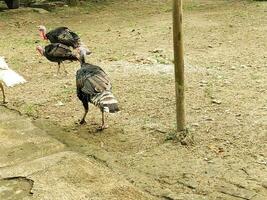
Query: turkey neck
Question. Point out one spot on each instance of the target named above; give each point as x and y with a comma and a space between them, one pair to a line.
82, 58
43, 35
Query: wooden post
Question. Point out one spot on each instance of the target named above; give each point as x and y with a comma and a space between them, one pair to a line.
179, 63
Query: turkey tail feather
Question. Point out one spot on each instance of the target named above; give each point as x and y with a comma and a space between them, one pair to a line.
111, 108
106, 102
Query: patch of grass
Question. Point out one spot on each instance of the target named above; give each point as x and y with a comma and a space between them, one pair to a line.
162, 59
192, 5
69, 91
66, 94
31, 110
171, 136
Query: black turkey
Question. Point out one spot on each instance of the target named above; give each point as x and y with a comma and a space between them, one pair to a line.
56, 52
94, 86
61, 35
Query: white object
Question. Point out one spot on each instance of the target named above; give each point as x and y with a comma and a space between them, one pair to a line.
8, 76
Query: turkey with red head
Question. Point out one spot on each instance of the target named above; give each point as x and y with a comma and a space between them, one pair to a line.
61, 35
58, 53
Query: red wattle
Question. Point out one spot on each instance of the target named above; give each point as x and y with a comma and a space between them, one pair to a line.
42, 34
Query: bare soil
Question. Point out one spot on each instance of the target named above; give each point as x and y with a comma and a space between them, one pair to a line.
225, 57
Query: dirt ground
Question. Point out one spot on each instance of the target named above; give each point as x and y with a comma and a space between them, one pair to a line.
225, 66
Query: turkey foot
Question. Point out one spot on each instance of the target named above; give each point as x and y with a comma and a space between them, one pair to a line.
82, 122
101, 128
3, 103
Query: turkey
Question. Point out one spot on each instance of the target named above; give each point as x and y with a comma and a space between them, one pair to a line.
58, 53
8, 77
61, 35
94, 86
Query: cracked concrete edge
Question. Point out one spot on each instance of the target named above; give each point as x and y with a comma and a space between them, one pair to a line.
75, 173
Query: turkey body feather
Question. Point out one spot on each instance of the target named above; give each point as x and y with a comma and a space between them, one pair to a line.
64, 36
57, 52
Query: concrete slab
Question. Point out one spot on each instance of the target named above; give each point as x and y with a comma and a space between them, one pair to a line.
34, 166
21, 140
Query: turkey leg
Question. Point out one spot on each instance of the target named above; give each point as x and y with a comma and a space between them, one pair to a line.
104, 125
64, 68
3, 92
86, 109
58, 69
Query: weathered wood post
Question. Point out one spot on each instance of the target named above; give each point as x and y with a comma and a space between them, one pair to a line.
179, 63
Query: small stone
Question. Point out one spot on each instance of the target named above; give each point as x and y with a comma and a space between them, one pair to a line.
215, 101
59, 103
102, 144
204, 82
209, 119
232, 68
167, 193
195, 124
40, 10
